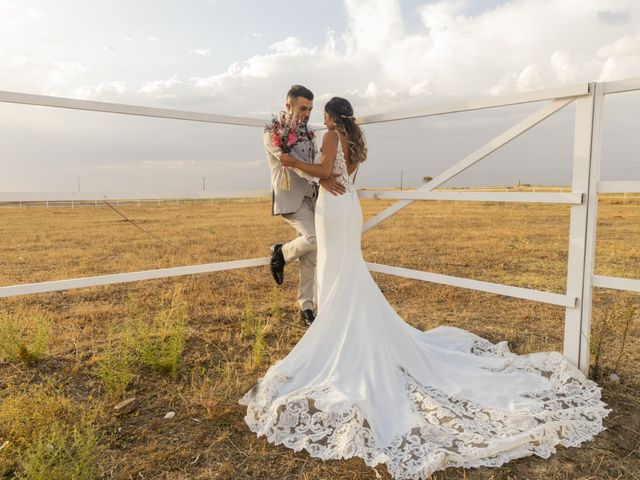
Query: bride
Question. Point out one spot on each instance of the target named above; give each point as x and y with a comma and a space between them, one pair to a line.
362, 382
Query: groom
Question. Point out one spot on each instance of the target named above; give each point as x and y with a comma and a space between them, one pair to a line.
297, 205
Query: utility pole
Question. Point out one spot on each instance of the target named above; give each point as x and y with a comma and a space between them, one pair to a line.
400, 179
78, 184
203, 183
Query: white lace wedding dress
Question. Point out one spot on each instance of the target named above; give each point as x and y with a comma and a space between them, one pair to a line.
362, 382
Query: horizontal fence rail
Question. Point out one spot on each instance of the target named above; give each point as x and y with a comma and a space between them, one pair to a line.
563, 300
111, 279
616, 283
91, 105
619, 187
522, 197
99, 280
505, 193
512, 194
620, 86
502, 101
92, 197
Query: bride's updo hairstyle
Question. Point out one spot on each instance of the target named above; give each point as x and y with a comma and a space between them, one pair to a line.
341, 112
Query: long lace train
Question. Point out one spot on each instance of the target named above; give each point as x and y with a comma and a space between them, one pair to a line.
363, 382
447, 430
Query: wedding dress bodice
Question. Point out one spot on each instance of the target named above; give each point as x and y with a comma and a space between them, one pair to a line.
340, 167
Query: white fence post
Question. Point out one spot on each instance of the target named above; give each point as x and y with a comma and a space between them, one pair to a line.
582, 227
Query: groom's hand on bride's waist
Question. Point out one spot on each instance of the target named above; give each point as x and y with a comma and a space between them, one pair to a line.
332, 184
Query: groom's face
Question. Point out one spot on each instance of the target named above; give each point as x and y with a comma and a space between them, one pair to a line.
300, 108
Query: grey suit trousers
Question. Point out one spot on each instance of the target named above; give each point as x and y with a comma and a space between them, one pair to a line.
303, 248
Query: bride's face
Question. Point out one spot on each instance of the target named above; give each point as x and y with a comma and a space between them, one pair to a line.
328, 121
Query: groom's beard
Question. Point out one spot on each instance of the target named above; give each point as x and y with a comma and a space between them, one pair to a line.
302, 122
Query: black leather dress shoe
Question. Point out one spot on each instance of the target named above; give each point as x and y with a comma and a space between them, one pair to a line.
277, 263
307, 316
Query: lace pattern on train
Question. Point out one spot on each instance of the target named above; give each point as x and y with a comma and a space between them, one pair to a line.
447, 431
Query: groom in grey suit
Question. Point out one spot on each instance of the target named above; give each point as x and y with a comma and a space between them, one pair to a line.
297, 206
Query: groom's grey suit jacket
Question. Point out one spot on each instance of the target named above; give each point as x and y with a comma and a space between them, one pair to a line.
283, 201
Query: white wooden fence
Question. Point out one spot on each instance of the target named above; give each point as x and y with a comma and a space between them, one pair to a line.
583, 198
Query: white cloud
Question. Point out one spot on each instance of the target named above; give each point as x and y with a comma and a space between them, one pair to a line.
627, 46
441, 17
621, 58
292, 46
102, 91
425, 87
614, 17
563, 66
201, 51
373, 25
17, 62
456, 55
15, 15
26, 74
61, 72
158, 87
529, 78
381, 67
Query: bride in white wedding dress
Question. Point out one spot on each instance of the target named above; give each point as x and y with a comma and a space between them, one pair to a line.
362, 382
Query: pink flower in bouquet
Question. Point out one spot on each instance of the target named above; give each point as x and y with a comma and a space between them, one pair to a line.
285, 132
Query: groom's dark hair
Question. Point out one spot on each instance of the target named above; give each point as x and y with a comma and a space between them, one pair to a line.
299, 91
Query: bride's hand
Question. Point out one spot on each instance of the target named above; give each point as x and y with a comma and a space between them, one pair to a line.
287, 160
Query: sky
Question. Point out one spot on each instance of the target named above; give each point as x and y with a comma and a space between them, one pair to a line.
240, 57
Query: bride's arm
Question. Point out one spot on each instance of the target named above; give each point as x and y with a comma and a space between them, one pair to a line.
322, 169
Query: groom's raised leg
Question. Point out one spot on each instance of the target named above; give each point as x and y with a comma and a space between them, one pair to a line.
303, 221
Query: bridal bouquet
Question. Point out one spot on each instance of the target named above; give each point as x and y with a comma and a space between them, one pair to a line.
285, 133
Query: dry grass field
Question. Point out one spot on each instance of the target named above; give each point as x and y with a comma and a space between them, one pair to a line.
193, 345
